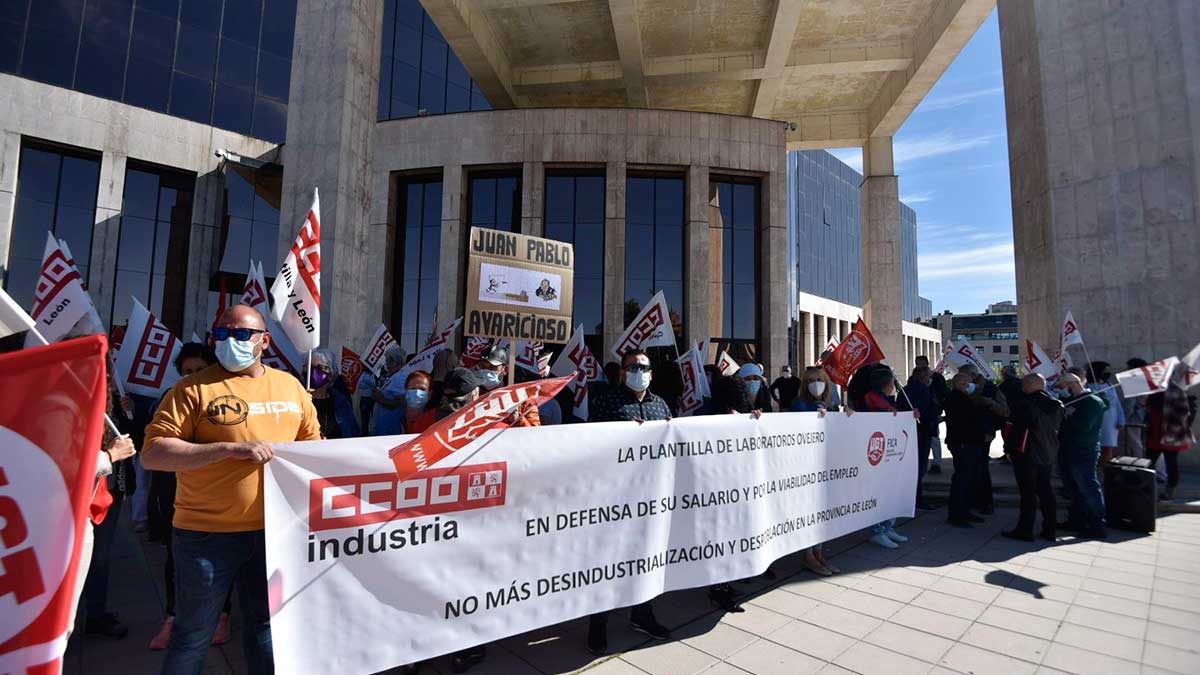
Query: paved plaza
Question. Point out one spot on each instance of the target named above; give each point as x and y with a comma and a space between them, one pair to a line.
949, 601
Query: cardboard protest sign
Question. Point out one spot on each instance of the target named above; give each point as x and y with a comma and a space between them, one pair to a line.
519, 287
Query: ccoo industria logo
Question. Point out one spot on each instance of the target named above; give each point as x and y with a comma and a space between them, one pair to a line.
884, 448
355, 501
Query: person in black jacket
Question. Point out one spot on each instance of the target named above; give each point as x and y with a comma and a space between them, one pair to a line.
1013, 389
1033, 446
981, 492
969, 429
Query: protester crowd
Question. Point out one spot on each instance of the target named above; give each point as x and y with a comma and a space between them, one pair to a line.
196, 488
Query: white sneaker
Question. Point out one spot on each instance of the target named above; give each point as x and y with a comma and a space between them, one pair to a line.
896, 536
882, 539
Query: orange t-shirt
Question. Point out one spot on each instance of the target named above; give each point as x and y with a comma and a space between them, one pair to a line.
214, 406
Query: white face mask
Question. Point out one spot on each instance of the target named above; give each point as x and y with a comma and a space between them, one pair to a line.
816, 388
236, 355
637, 380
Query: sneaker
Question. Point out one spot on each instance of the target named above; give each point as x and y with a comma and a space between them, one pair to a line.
221, 635
106, 624
163, 638
896, 536
935, 469
883, 540
646, 623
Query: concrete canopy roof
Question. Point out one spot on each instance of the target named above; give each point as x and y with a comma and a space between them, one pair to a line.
838, 71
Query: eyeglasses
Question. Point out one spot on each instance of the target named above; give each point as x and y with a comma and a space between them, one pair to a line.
221, 333
638, 368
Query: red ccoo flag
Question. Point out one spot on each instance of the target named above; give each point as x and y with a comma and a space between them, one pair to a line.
352, 369
51, 421
856, 350
453, 433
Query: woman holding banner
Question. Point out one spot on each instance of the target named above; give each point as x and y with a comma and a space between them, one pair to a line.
816, 395
882, 398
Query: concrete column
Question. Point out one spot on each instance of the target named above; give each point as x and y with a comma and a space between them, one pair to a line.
698, 287
106, 234
807, 339
452, 280
331, 120
822, 336
773, 264
614, 256
204, 252
533, 190
882, 276
10, 156
716, 262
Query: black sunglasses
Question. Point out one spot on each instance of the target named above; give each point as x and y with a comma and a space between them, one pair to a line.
638, 368
222, 333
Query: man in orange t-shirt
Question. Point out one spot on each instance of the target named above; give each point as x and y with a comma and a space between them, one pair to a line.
214, 430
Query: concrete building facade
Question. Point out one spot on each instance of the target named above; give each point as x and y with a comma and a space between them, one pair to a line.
682, 135
1103, 106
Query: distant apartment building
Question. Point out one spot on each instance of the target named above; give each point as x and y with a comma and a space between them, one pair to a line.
994, 333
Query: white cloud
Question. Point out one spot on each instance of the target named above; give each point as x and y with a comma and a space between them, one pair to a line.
936, 145
918, 197
968, 263
849, 156
955, 100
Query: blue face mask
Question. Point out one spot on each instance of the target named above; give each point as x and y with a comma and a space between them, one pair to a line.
753, 386
236, 355
416, 398
970, 388
490, 378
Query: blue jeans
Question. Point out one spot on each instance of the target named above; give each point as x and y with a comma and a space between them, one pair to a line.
207, 564
1082, 485
880, 528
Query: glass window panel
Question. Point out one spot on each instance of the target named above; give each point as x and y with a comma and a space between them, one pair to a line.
75, 225
203, 14
433, 57
744, 206
589, 196
279, 27
38, 177
412, 251
237, 64
148, 84
167, 8
640, 201
457, 73
128, 284
235, 259
264, 244
432, 205
589, 305
668, 201
726, 310
560, 201
408, 312
433, 94
49, 55
136, 252
270, 120
31, 221
428, 300
589, 251
483, 202
639, 252
191, 98
726, 255
743, 313
407, 46
79, 181
673, 292
242, 19
637, 292
430, 28
668, 253
101, 71
744, 261
14, 11
10, 44
22, 277
405, 85
141, 194
232, 109
274, 75
431, 247
458, 99
478, 100
508, 203
153, 37
62, 14
197, 52
409, 13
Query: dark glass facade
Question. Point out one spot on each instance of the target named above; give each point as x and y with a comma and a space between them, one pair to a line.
220, 62
56, 192
418, 72
250, 229
910, 295
575, 214
152, 249
654, 245
494, 201
738, 202
415, 260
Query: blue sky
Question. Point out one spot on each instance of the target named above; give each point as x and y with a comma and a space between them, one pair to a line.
952, 160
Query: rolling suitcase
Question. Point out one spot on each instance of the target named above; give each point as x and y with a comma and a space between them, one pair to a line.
1131, 494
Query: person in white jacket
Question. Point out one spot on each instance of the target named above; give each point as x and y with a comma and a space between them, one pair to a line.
1100, 377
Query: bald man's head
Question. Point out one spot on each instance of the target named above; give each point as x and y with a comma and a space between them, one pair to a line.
242, 316
1033, 383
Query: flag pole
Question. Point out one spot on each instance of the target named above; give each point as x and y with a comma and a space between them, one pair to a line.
308, 371
111, 425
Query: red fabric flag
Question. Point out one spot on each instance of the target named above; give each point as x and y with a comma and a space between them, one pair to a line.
856, 350
51, 424
352, 369
453, 433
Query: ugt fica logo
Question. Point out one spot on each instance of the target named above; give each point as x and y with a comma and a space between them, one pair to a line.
881, 448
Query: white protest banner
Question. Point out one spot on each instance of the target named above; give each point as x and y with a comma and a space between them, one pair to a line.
281, 354
91, 324
59, 301
1149, 379
529, 527
297, 289
651, 328
146, 362
964, 353
379, 343
1037, 361
727, 365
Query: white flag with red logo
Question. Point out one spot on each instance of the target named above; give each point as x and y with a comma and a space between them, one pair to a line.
1190, 365
91, 324
695, 383
457, 431
1037, 361
727, 365
940, 366
373, 357
51, 426
964, 353
527, 354
1070, 333
1149, 379
147, 357
352, 369
577, 359
281, 354
296, 293
59, 301
424, 358
474, 351
651, 328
